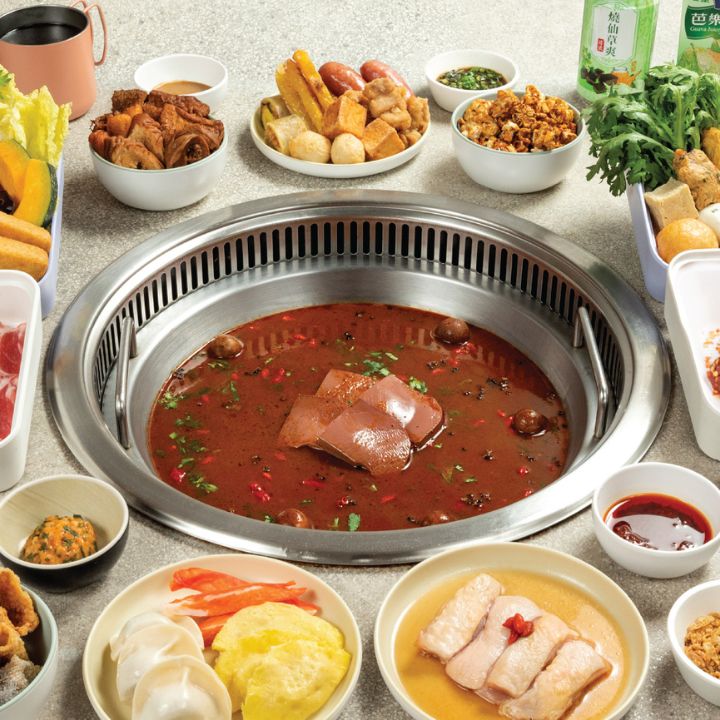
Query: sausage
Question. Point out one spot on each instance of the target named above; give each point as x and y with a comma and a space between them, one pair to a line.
373, 69
340, 78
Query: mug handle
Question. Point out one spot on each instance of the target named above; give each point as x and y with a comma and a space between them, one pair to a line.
86, 8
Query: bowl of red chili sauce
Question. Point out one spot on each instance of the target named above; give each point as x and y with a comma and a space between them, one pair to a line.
658, 520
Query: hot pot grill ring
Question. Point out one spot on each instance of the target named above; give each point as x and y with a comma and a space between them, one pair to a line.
178, 289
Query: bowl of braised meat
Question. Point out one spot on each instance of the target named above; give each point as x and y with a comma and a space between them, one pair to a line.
157, 151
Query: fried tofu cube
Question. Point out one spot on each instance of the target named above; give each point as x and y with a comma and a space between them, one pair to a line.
344, 115
381, 140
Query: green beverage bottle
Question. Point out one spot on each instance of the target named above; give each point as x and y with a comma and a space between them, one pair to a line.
617, 42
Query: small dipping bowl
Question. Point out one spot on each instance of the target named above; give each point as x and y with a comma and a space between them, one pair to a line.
192, 68
513, 172
448, 98
696, 602
42, 647
663, 479
23, 509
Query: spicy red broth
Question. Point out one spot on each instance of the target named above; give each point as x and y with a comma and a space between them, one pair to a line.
214, 425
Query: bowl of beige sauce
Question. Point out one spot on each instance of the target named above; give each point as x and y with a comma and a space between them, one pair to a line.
183, 74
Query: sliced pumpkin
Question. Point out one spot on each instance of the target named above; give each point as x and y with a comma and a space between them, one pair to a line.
14, 159
39, 193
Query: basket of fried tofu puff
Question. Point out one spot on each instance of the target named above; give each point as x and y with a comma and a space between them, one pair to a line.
336, 116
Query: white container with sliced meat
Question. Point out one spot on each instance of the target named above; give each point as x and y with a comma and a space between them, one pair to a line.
20, 343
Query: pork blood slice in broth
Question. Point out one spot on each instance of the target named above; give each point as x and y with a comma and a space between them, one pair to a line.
363, 435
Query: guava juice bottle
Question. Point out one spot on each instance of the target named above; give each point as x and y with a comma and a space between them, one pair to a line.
616, 45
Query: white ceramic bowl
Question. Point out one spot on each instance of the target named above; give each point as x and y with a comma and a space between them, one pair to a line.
330, 170
194, 68
514, 172
665, 479
700, 600
448, 98
20, 302
42, 646
162, 189
152, 592
23, 509
522, 557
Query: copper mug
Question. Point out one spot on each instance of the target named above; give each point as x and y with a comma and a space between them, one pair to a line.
53, 45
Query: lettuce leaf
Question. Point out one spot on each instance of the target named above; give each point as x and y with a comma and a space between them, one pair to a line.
35, 120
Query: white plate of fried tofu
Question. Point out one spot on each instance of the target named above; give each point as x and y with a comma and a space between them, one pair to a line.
510, 630
330, 170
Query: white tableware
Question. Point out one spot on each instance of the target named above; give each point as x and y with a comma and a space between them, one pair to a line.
167, 189
663, 479
42, 646
22, 510
654, 268
448, 98
700, 600
691, 315
486, 557
20, 303
330, 170
193, 68
48, 282
514, 172
152, 593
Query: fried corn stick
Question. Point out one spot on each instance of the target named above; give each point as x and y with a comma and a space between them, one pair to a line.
313, 79
290, 74
288, 92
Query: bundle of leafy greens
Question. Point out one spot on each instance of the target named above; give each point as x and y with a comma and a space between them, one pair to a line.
34, 120
636, 129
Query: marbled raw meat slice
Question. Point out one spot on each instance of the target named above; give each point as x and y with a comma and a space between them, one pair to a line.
471, 666
419, 414
308, 418
576, 665
344, 385
7, 405
363, 435
11, 344
460, 618
520, 664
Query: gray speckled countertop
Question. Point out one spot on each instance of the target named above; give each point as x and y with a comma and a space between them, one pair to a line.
251, 38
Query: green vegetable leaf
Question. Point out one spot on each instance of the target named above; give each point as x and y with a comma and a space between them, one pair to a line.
418, 385
353, 522
635, 130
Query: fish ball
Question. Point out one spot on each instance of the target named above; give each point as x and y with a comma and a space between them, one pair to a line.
347, 149
310, 146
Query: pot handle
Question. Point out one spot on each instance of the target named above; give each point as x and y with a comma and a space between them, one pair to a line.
127, 350
584, 330
86, 8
